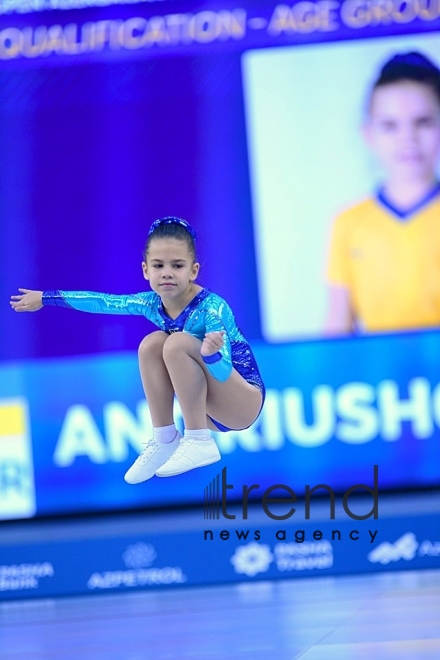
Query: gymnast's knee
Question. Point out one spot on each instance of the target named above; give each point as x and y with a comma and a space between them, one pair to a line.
177, 343
152, 344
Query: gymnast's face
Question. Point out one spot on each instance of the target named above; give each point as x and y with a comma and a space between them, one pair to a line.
169, 267
403, 129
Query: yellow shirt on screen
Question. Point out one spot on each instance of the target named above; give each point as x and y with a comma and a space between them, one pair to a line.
389, 264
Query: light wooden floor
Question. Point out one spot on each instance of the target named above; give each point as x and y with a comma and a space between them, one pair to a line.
369, 617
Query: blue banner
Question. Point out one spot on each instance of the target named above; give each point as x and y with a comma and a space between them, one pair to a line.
134, 553
71, 427
153, 28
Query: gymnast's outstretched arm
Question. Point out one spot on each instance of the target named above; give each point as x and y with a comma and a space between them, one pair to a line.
85, 301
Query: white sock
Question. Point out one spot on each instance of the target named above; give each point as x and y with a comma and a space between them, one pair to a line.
198, 434
165, 434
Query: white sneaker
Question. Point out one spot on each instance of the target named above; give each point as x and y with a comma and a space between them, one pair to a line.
153, 456
190, 454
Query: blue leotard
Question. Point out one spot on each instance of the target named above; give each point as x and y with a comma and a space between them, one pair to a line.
207, 312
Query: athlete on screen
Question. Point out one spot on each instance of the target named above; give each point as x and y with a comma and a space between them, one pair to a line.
198, 353
384, 267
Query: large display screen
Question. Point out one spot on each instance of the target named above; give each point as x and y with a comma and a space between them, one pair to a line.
255, 123
308, 118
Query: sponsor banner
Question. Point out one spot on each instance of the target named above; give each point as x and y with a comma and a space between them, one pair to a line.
153, 28
55, 563
319, 425
24, 577
17, 491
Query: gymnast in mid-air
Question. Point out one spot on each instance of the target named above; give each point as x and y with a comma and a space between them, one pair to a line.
198, 354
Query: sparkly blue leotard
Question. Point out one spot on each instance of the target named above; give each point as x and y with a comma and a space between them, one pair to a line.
206, 312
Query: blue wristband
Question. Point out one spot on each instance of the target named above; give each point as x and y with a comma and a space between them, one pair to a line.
210, 359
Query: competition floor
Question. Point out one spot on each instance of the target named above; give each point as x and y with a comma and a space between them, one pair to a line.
384, 616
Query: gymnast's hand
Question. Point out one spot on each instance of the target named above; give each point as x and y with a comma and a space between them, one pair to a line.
27, 301
212, 343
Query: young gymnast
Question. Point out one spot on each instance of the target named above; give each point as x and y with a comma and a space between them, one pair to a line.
198, 353
384, 267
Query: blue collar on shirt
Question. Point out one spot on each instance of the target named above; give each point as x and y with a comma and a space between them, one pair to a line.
176, 325
406, 215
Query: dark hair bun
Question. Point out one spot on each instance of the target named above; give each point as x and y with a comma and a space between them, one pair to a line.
172, 227
411, 66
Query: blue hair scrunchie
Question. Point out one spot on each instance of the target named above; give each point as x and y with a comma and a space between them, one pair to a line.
172, 220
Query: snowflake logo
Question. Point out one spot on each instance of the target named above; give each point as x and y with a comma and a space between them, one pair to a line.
139, 555
252, 558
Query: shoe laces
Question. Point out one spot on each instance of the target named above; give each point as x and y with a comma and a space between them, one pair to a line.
184, 442
148, 450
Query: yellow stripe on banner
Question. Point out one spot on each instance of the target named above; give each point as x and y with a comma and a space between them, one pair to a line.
12, 420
